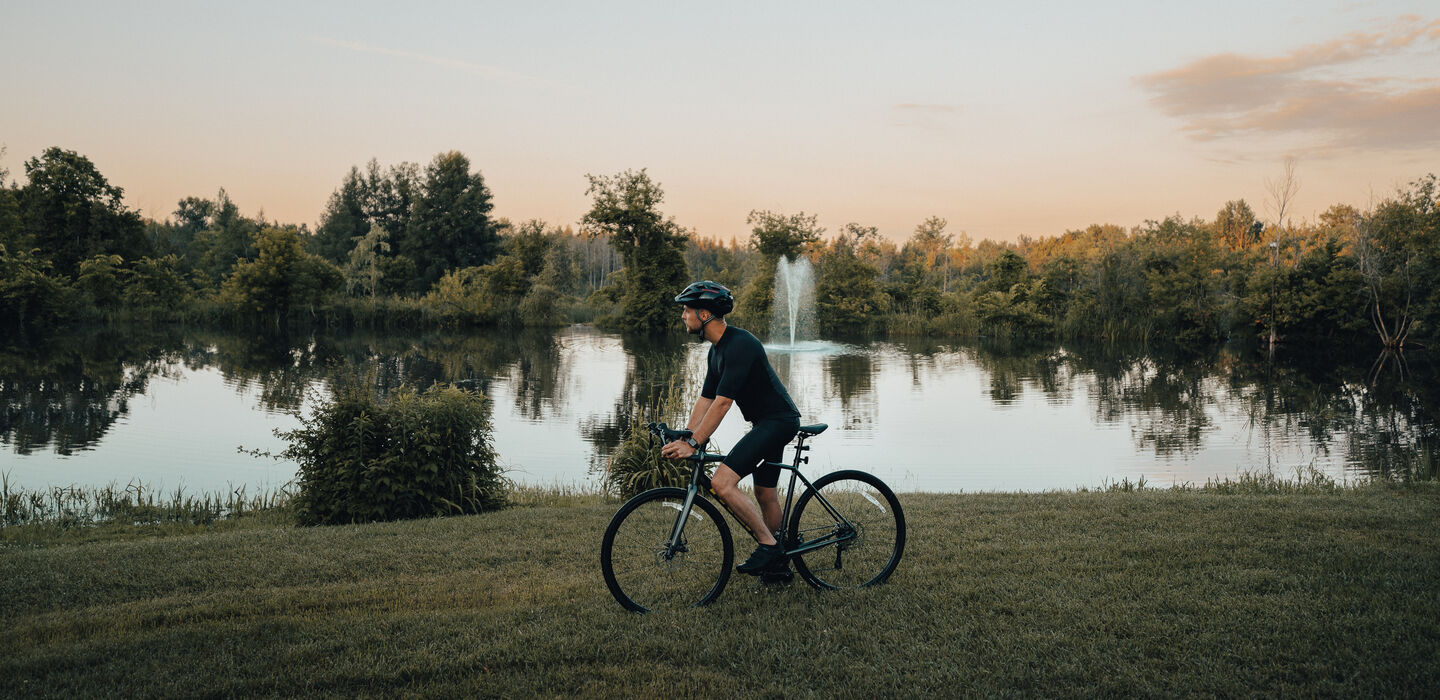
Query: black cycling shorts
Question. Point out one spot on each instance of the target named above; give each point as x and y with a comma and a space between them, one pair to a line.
765, 442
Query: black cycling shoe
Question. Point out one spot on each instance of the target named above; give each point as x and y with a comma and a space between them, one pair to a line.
764, 558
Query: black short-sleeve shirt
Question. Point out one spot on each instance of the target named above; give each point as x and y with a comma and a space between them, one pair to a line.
740, 371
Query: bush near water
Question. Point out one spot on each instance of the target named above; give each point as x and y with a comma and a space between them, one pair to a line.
636, 465
406, 455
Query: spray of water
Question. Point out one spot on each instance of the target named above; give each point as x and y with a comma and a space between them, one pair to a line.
792, 317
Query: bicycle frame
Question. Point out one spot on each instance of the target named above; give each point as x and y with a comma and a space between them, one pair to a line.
698, 479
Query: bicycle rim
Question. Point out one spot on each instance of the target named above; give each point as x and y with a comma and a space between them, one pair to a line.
866, 543
641, 571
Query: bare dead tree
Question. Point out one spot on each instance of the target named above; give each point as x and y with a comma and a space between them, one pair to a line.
1282, 192
1392, 334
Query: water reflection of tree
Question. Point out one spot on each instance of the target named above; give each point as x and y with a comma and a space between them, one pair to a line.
530, 359
851, 378
1012, 366
1165, 397
67, 391
278, 367
653, 363
1383, 425
538, 376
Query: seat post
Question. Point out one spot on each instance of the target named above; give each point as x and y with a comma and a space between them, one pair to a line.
801, 447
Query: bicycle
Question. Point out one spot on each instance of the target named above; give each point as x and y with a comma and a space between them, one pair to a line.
669, 547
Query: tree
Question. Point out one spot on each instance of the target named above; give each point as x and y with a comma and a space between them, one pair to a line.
848, 298
176, 235
99, 279
1282, 191
488, 294
70, 211
529, 243
626, 208
30, 294
282, 277
344, 221
156, 283
392, 200
1179, 262
364, 266
450, 226
193, 214
9, 208
1234, 223
1396, 248
1005, 271
230, 238
1340, 219
774, 235
929, 247
558, 277
9, 217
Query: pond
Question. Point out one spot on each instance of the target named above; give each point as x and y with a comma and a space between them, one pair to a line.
174, 408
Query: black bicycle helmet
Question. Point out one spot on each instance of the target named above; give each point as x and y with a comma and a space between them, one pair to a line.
711, 296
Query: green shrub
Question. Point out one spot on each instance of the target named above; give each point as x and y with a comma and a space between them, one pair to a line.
636, 465
408, 455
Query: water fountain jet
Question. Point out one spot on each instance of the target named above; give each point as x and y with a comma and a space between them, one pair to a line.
792, 316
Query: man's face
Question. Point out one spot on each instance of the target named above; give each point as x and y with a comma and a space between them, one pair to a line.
691, 318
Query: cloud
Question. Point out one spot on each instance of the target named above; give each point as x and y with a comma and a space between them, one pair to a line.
478, 69
1312, 91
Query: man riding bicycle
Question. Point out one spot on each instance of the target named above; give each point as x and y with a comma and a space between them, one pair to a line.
739, 373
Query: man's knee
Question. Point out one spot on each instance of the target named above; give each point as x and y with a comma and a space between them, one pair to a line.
767, 495
724, 479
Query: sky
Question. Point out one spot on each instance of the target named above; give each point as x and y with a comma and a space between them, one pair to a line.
1005, 119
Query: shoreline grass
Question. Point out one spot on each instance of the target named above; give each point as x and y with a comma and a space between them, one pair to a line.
1137, 592
136, 503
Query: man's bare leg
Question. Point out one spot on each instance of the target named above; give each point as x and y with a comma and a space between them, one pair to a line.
769, 499
726, 484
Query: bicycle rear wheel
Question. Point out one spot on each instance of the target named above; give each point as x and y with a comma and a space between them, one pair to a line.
644, 573
861, 518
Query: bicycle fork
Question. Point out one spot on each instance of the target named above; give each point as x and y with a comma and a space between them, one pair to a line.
697, 478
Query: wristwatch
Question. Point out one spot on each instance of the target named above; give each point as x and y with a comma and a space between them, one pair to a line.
691, 442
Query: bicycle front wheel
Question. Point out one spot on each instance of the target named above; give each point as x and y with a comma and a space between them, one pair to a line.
645, 573
862, 524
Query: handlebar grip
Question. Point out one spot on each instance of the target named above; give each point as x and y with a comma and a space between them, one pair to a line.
668, 434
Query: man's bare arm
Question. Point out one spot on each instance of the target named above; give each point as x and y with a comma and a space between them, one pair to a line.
710, 420
698, 413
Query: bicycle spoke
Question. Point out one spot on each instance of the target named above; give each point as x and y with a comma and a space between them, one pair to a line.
864, 524
641, 569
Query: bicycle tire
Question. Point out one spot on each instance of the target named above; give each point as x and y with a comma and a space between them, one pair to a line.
866, 559
633, 558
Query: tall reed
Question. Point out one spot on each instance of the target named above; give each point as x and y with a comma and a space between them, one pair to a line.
136, 503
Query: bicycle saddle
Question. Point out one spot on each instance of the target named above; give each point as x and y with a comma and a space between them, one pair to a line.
813, 430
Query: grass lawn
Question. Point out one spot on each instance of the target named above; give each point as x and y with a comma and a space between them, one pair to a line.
1194, 592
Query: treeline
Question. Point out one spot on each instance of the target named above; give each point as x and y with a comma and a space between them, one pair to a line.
1349, 275
402, 245
406, 245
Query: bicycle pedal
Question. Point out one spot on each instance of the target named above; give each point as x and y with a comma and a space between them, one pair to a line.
777, 577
